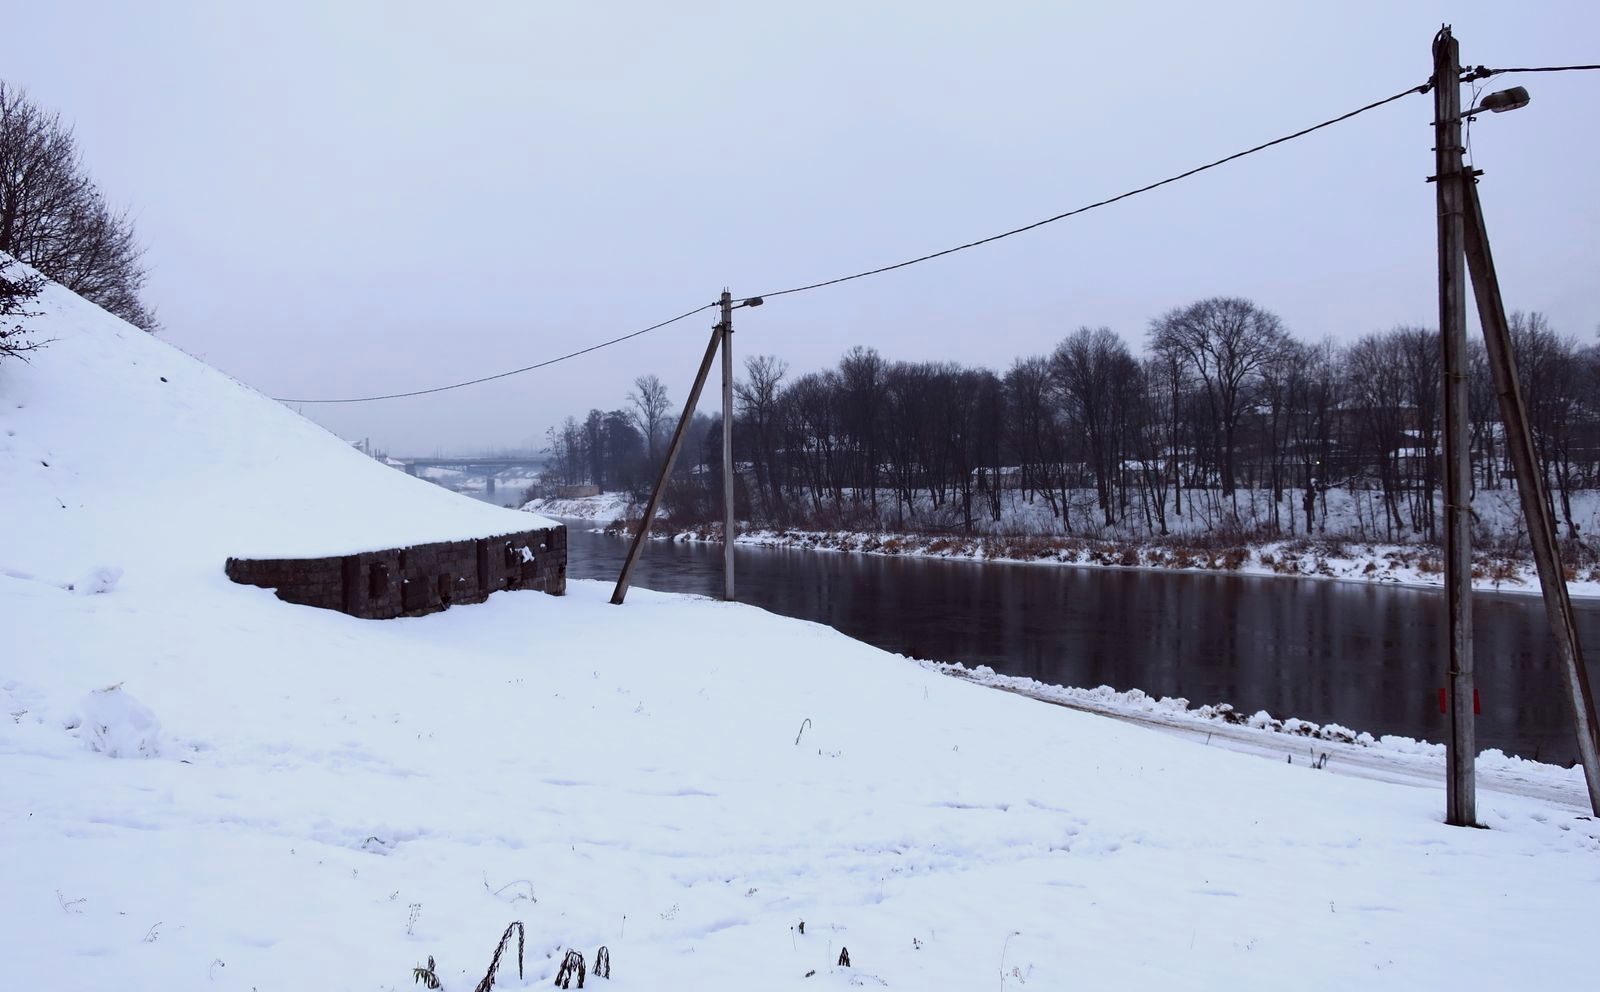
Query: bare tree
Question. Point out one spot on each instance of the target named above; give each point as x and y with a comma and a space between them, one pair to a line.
758, 402
1314, 425
1090, 368
53, 217
1375, 371
1169, 372
1483, 412
1032, 428
566, 451
649, 413
1420, 360
861, 373
1549, 368
1225, 340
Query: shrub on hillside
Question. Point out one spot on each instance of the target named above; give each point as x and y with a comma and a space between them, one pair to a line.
17, 291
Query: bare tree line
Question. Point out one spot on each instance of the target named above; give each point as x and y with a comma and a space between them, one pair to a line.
1222, 403
54, 217
621, 449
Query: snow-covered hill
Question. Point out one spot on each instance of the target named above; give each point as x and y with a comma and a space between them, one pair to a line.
207, 788
115, 448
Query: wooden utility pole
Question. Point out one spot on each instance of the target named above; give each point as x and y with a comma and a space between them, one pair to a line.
1531, 490
727, 445
1461, 743
621, 590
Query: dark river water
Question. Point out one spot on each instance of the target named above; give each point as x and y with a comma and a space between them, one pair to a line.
1368, 657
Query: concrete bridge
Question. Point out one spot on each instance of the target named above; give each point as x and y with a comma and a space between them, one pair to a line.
474, 465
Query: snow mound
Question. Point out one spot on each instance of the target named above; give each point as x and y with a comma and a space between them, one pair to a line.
117, 725
114, 446
99, 581
606, 506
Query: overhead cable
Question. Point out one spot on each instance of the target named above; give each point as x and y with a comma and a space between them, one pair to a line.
502, 375
1108, 201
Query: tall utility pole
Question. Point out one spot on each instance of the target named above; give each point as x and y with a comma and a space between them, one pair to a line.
727, 445
1461, 744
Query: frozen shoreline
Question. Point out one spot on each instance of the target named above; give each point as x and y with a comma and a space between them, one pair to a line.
1388, 757
1404, 566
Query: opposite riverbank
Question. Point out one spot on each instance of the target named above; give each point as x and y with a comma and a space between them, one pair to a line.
1398, 564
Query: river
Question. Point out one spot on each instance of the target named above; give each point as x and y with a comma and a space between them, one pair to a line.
1365, 656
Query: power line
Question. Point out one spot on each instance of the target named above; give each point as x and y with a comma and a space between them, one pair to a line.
1479, 72
1484, 72
502, 375
1106, 202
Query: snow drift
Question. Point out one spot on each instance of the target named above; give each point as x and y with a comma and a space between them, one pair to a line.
111, 722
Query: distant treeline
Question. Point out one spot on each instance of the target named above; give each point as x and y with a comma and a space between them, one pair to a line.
1222, 399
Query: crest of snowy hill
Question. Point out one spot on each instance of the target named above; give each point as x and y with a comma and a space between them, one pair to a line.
121, 452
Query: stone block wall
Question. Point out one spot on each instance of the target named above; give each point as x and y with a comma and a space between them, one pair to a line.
423, 578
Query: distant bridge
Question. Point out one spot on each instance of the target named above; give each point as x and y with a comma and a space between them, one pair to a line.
474, 465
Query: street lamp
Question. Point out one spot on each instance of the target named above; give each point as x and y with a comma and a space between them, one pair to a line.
1514, 98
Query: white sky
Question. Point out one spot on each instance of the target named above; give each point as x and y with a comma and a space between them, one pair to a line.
346, 198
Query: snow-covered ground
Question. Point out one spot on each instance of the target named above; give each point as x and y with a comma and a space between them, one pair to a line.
333, 801
1389, 758
208, 788
605, 508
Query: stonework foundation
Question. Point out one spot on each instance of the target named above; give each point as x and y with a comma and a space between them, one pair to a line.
423, 578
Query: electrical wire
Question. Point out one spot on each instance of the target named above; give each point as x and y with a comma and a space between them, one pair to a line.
502, 375
1484, 72
1478, 72
1106, 202
1466, 139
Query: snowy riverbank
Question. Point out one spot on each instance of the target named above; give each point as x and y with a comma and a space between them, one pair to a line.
1413, 565
1388, 757
209, 788
604, 508
1410, 565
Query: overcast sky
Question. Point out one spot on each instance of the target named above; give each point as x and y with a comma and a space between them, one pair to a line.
348, 198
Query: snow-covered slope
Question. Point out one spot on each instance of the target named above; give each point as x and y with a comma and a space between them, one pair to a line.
116, 451
207, 788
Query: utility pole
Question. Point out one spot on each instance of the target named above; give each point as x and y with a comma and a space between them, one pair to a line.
727, 446
621, 590
1531, 489
1461, 744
